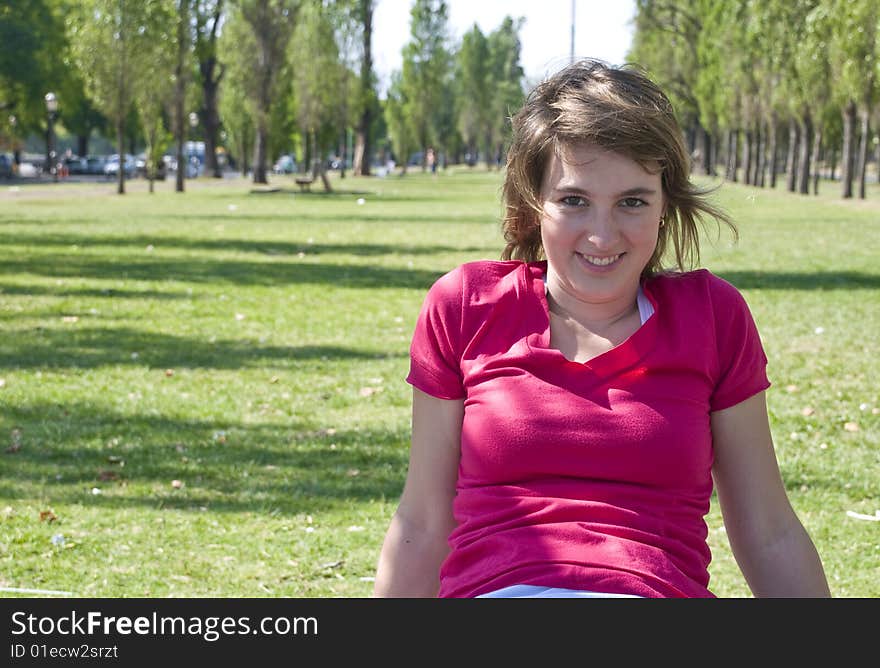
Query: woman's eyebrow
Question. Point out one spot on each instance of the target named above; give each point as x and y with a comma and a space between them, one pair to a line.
629, 192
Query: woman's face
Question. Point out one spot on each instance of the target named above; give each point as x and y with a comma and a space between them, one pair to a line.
601, 217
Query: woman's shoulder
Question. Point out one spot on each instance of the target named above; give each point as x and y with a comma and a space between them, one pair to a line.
698, 284
481, 276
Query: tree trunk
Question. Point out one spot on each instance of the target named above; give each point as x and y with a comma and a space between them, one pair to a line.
863, 152
260, 175
817, 146
747, 157
120, 142
791, 160
209, 115
772, 150
180, 91
705, 149
732, 154
82, 145
363, 148
849, 128
806, 141
760, 181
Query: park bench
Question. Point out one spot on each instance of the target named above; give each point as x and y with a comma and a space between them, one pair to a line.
304, 182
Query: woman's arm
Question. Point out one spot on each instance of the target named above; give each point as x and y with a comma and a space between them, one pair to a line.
416, 542
771, 546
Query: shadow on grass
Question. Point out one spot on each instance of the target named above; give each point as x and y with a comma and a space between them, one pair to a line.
133, 459
268, 247
84, 348
792, 280
199, 270
66, 291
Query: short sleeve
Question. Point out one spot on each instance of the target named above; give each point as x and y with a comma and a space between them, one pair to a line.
742, 363
436, 344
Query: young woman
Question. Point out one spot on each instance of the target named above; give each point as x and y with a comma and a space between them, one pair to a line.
574, 403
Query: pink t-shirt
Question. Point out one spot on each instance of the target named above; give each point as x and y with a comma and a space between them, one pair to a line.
592, 475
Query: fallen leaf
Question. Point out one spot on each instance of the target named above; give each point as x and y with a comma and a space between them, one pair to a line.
169, 372
273, 379
47, 516
851, 426
239, 316
351, 473
2, 382
70, 318
176, 484
332, 564
368, 391
107, 475
807, 411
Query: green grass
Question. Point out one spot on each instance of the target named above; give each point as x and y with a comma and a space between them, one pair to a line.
253, 345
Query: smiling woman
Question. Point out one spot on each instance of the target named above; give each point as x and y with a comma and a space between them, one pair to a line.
574, 404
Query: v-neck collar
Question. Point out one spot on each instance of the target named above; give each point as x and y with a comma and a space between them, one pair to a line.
620, 357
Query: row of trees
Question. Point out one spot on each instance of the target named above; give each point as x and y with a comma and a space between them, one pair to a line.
768, 87
263, 76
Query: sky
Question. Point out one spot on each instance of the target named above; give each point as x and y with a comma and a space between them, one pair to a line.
602, 30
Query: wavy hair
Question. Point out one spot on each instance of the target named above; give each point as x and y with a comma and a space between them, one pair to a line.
617, 109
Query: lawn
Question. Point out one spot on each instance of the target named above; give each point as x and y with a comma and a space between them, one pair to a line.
202, 394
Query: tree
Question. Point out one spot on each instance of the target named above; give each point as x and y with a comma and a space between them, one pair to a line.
182, 76
271, 22
208, 16
365, 102
399, 126
26, 62
506, 75
853, 57
108, 41
473, 91
235, 107
155, 87
426, 64
317, 80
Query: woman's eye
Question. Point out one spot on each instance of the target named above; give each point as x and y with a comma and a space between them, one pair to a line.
634, 202
573, 200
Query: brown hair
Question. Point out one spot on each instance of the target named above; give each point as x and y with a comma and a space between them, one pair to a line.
618, 109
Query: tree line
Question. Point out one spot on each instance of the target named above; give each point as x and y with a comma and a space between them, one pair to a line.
769, 87
258, 77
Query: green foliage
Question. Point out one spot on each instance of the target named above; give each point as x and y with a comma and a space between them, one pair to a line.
28, 61
506, 75
235, 42
473, 86
320, 79
853, 49
426, 67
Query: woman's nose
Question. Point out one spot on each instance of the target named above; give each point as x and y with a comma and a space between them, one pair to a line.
601, 229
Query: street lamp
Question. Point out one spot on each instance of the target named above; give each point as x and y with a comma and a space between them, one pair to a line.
52, 110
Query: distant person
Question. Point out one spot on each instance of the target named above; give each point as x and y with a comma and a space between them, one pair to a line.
431, 160
574, 403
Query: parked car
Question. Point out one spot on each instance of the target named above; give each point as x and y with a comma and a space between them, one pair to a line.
111, 167
286, 165
6, 166
76, 165
95, 164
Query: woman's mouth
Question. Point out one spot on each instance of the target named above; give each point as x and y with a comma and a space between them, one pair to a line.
600, 260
